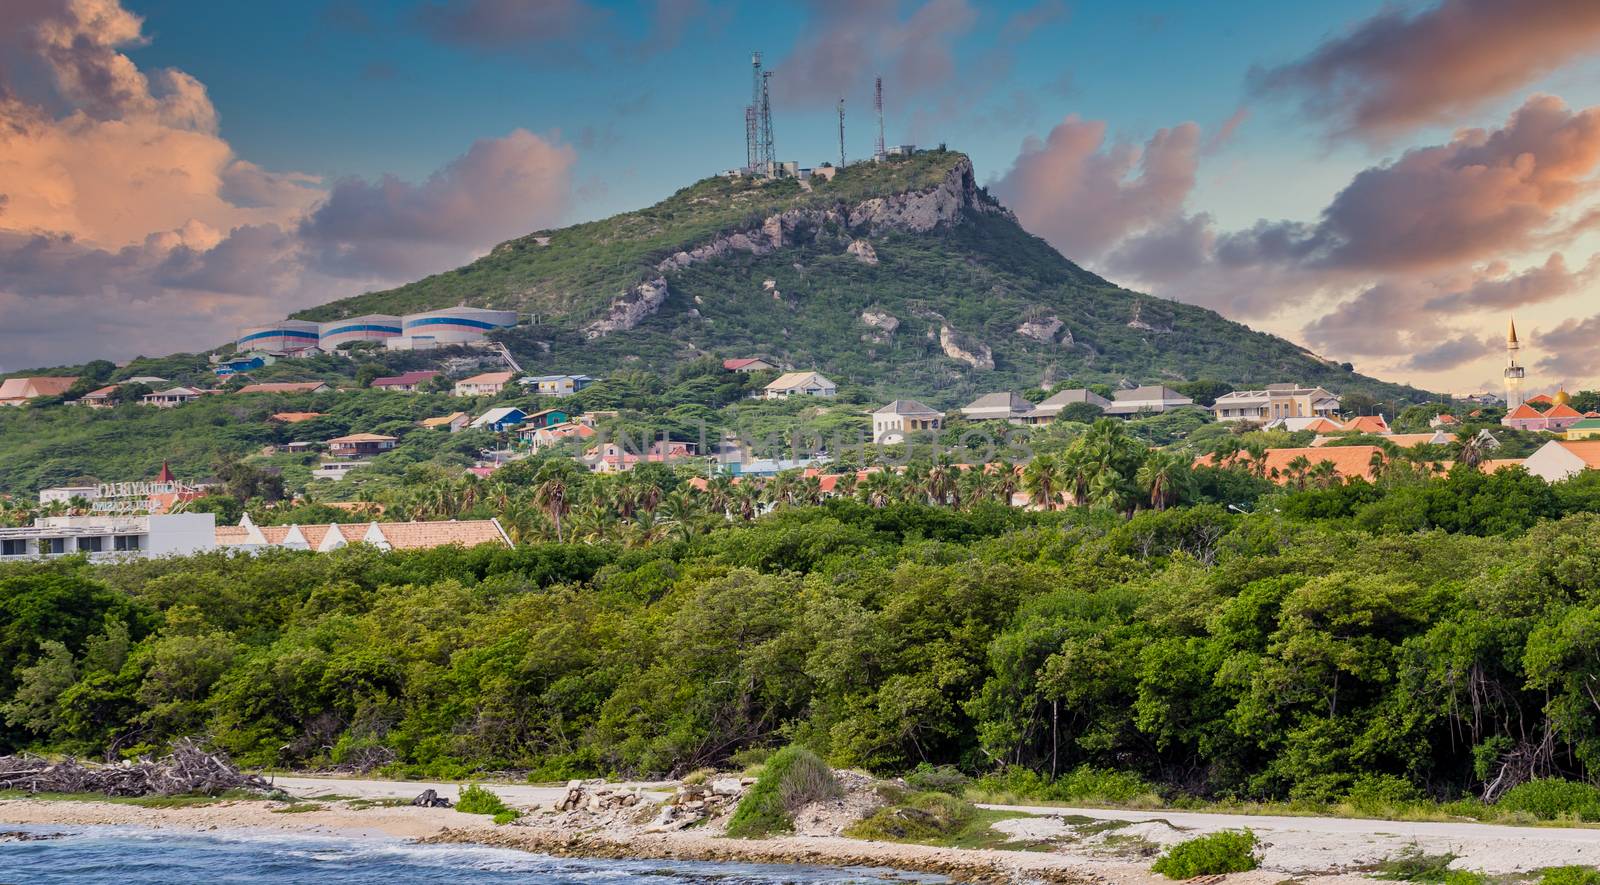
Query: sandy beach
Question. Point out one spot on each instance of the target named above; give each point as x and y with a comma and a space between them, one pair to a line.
1321, 850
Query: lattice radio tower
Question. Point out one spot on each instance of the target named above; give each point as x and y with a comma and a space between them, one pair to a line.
878, 152
841, 133
752, 116
768, 144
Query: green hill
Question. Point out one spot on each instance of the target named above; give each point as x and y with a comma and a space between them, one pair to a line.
902, 277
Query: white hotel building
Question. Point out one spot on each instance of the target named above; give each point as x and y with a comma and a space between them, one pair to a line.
110, 537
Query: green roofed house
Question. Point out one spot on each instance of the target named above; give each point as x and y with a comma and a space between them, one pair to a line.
1588, 428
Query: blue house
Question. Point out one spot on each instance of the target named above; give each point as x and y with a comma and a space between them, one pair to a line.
501, 419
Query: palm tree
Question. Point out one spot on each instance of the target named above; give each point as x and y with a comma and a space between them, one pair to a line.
878, 489
1041, 479
1164, 477
551, 491
1474, 450
1324, 475
680, 514
1298, 466
1378, 464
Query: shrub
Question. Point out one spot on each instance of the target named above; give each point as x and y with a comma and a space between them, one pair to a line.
1411, 865
479, 800
1228, 851
698, 776
1379, 793
920, 817
938, 779
1086, 784
793, 777
1570, 876
1551, 798
750, 757
506, 815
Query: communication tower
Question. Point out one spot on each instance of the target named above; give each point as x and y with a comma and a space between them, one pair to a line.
878, 152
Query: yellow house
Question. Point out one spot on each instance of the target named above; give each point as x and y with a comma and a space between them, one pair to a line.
1588, 428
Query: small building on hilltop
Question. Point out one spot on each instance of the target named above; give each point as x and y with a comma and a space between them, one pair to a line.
500, 419
1003, 406
287, 387
1588, 428
558, 385
453, 422
17, 391
750, 364
485, 384
891, 423
360, 445
405, 382
800, 384
1153, 399
172, 396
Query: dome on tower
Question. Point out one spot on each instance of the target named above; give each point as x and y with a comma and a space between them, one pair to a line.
1562, 397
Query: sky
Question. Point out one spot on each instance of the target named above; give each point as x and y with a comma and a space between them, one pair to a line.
1384, 183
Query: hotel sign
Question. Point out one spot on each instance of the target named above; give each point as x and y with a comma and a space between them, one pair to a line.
129, 497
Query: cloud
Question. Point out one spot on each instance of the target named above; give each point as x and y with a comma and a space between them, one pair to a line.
1574, 351
1023, 23
509, 25
128, 225
1502, 291
1396, 71
1454, 353
1084, 195
849, 41
499, 188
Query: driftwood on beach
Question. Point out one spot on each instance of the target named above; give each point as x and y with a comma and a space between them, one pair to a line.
188, 770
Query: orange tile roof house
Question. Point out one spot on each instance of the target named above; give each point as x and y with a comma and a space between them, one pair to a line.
454, 422
383, 535
1348, 462
755, 364
293, 417
287, 387
16, 391
486, 384
99, 398
1367, 424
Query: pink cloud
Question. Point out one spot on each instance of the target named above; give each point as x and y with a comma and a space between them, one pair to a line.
849, 41
1084, 195
1396, 70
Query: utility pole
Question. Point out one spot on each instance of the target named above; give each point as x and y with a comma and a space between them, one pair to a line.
766, 125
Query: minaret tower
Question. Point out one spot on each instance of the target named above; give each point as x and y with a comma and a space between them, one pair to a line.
1513, 371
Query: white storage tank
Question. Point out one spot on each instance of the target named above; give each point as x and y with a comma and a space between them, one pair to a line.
283, 336
371, 327
456, 325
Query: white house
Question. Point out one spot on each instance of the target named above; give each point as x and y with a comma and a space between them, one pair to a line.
103, 537
323, 538
172, 396
891, 423
802, 384
1560, 459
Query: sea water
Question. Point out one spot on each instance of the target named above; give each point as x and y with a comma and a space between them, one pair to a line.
120, 855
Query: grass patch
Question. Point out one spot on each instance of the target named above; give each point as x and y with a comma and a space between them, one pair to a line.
1228, 851
1084, 785
1129, 846
298, 808
184, 801
793, 777
1569, 876
478, 799
362, 804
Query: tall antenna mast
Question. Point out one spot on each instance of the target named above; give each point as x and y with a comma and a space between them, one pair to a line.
758, 153
841, 133
750, 137
878, 152
766, 126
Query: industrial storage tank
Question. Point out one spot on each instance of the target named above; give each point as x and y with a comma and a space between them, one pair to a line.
283, 336
456, 325
371, 327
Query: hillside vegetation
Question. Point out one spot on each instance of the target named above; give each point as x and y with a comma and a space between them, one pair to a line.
972, 282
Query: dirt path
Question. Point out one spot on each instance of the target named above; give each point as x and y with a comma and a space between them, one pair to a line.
1320, 844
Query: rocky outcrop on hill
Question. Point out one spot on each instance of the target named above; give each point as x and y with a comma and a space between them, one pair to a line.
882, 322
1042, 329
965, 349
917, 212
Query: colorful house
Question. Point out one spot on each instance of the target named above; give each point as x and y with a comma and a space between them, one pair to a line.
405, 382
500, 419
486, 384
454, 422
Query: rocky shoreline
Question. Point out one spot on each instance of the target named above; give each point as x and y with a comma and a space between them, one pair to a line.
961, 865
